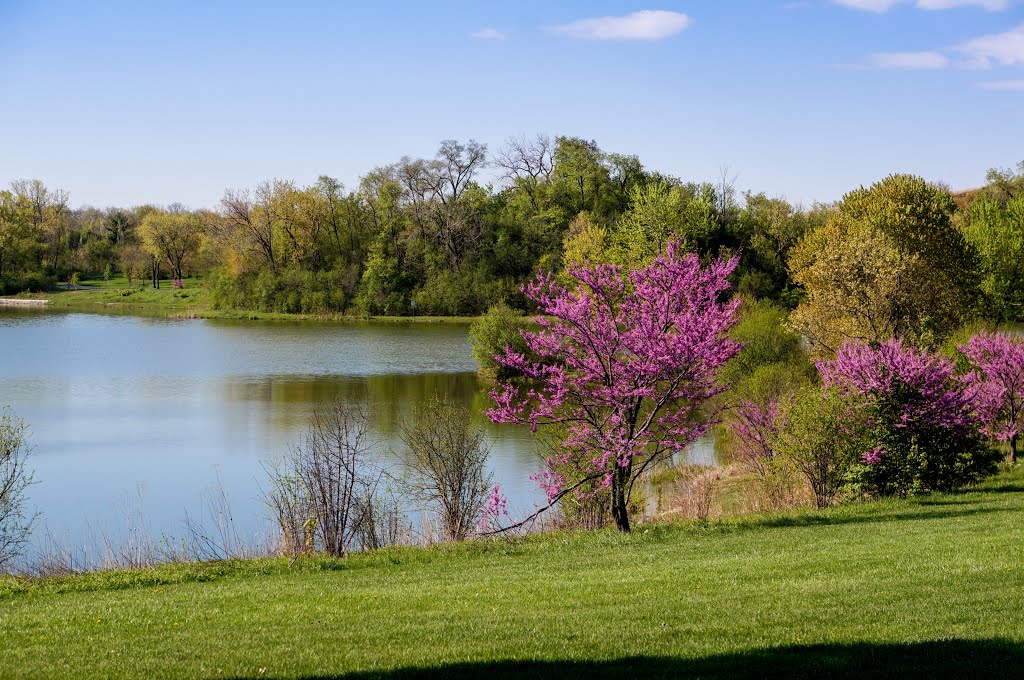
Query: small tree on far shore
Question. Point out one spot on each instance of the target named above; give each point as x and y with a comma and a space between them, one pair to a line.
625, 363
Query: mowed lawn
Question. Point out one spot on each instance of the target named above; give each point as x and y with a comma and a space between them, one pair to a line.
931, 587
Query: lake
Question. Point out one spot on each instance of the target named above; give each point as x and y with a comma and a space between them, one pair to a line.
120, 405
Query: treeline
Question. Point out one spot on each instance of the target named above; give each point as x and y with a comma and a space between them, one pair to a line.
425, 236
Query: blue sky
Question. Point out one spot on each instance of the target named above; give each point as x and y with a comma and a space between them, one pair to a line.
123, 103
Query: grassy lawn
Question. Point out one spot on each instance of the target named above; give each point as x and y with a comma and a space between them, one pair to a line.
921, 588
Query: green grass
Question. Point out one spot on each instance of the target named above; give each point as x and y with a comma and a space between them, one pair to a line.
929, 587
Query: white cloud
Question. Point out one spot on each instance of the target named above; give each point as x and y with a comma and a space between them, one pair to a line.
881, 6
869, 5
990, 5
489, 34
1001, 49
987, 51
909, 60
646, 24
1003, 85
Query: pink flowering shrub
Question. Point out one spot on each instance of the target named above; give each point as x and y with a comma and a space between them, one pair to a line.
996, 381
922, 418
621, 367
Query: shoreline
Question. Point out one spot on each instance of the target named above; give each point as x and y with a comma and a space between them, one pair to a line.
173, 311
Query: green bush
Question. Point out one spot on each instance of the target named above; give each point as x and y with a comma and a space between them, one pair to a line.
767, 339
32, 282
822, 438
291, 290
490, 334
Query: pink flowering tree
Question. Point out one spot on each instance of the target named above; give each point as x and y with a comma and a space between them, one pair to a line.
997, 383
621, 367
925, 435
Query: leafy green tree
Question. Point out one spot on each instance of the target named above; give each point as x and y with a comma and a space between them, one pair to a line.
996, 231
766, 231
172, 236
887, 263
15, 232
660, 211
1004, 184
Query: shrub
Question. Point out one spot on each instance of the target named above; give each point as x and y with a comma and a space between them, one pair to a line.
822, 437
493, 333
15, 478
326, 495
447, 457
924, 434
32, 282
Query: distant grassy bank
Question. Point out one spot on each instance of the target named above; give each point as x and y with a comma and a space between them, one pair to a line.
118, 296
928, 587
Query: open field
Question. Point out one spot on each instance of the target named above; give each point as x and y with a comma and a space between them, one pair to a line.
928, 587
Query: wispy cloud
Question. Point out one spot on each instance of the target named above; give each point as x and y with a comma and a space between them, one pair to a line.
909, 60
1003, 85
990, 5
1002, 49
646, 24
881, 6
489, 34
984, 52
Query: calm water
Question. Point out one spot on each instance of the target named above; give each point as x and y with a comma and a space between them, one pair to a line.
119, 404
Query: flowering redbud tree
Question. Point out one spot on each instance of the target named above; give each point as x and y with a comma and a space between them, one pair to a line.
621, 365
997, 382
925, 434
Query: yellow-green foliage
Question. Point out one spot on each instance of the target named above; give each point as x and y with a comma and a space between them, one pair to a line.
888, 262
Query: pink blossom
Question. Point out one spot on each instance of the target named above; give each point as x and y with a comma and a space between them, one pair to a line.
495, 508
754, 426
996, 384
928, 392
874, 456
624, 362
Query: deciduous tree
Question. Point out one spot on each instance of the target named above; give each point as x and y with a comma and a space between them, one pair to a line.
624, 362
888, 263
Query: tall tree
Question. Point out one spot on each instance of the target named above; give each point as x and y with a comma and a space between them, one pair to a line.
172, 236
888, 263
996, 231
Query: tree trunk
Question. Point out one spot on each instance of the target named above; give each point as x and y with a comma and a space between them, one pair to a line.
620, 511
1013, 449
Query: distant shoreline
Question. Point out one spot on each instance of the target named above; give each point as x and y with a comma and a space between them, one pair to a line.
62, 302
